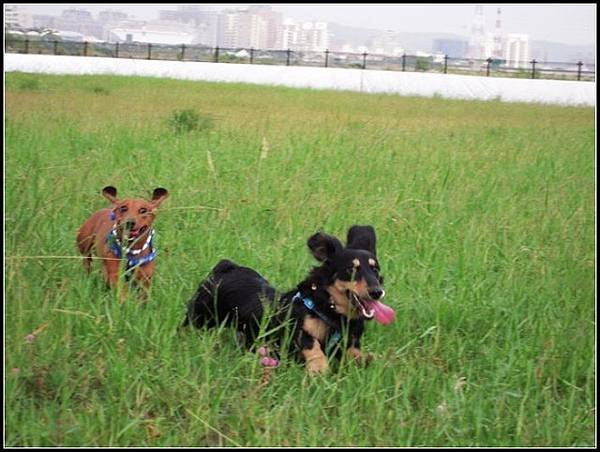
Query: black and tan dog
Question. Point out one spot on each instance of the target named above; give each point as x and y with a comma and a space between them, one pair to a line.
326, 312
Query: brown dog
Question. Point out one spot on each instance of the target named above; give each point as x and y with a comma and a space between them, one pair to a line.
122, 232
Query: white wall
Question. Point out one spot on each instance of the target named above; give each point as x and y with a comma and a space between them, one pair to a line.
403, 83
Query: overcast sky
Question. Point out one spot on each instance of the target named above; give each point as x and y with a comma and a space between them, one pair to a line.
566, 23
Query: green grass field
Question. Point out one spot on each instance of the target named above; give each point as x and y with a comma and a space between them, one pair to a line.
485, 215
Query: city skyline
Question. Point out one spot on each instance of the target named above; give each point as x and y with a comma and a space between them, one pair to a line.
561, 23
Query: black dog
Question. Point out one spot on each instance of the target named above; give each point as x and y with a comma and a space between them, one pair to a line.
333, 301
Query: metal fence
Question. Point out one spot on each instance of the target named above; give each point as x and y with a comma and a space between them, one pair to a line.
408, 63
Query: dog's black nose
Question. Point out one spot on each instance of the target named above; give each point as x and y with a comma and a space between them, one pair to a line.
375, 294
130, 224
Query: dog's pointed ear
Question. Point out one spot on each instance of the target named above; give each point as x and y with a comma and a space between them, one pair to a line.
110, 193
159, 195
323, 246
362, 238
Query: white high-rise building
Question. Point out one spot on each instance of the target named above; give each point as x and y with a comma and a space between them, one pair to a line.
258, 31
316, 36
516, 50
290, 34
230, 29
305, 36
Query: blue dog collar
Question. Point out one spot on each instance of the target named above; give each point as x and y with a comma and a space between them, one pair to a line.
336, 336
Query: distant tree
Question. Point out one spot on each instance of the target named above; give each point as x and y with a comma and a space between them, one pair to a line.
422, 64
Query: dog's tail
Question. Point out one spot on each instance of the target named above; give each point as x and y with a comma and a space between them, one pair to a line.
222, 267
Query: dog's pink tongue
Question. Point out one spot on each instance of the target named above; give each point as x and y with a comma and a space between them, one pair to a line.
382, 313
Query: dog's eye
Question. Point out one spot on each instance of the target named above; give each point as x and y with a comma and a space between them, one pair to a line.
123, 209
143, 210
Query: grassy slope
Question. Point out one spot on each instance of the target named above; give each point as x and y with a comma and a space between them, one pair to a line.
485, 221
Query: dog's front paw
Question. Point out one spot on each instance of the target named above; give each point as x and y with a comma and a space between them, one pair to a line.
316, 361
354, 354
317, 365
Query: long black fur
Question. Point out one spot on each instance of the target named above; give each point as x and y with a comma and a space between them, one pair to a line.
238, 295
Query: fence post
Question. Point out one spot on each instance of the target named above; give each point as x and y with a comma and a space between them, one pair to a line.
326, 57
27, 46
364, 60
85, 48
116, 50
579, 70
182, 52
403, 62
288, 57
55, 47
445, 64
149, 51
217, 54
251, 55
533, 68
487, 70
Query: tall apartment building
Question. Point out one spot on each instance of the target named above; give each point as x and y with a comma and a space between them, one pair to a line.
304, 36
257, 31
316, 36
258, 27
290, 32
230, 34
275, 21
